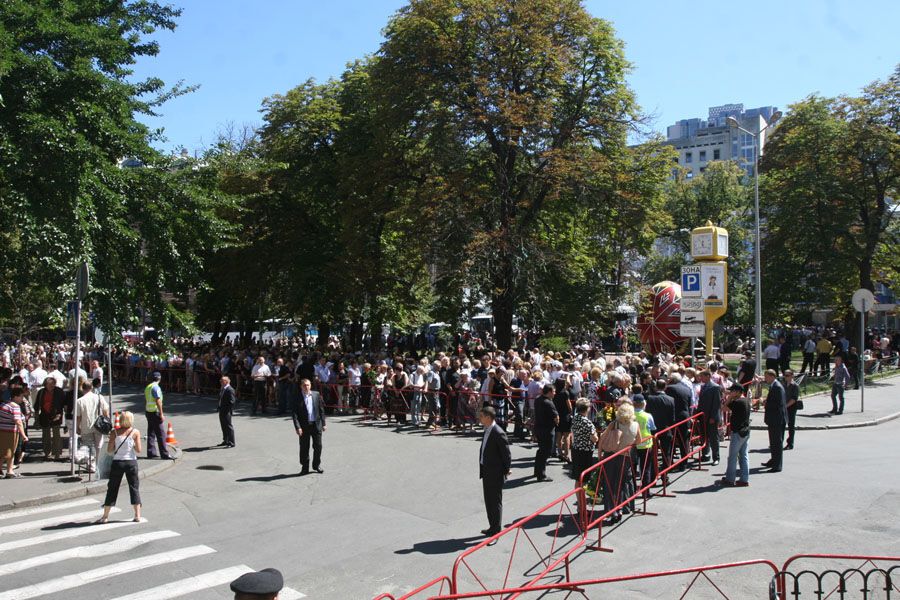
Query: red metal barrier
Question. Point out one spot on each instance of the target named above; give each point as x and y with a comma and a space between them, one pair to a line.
621, 478
786, 585
700, 574
443, 580
674, 437
554, 533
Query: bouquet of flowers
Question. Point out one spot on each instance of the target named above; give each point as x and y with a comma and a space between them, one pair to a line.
593, 489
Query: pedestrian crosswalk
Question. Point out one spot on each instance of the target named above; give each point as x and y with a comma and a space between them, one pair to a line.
50, 569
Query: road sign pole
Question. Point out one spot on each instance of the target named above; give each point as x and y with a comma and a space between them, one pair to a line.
73, 431
862, 360
82, 284
109, 371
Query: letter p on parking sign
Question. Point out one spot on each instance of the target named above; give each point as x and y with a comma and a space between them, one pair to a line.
690, 281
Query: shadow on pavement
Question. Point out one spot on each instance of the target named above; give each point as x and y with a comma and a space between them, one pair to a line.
267, 478
71, 525
442, 546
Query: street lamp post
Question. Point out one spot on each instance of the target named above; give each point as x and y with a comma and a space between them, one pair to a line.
735, 124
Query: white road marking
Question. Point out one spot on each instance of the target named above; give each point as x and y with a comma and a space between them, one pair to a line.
110, 548
198, 583
189, 585
63, 534
34, 510
68, 582
41, 523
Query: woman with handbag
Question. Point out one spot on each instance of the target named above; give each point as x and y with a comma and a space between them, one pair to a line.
125, 447
618, 475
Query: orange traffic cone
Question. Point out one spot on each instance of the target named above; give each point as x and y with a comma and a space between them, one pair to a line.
170, 436
116, 422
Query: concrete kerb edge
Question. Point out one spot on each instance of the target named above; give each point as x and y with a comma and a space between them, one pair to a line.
87, 489
871, 423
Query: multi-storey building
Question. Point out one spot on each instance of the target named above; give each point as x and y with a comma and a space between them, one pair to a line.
701, 141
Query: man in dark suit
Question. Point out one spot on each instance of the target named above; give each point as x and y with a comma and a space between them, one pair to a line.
662, 407
710, 404
309, 423
776, 418
546, 418
494, 464
226, 408
681, 396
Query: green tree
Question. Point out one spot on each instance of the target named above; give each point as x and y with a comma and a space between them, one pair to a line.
829, 198
720, 195
531, 97
68, 117
355, 251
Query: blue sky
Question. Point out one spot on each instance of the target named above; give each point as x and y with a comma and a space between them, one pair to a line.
687, 55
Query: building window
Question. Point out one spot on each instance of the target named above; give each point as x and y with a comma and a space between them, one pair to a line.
688, 157
689, 175
716, 154
702, 169
702, 155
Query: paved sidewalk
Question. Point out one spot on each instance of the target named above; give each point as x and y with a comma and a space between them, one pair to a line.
42, 481
882, 404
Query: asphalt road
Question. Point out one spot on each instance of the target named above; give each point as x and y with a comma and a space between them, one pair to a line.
393, 510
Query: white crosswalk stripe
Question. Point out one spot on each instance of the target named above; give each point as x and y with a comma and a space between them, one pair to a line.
50, 521
112, 548
44, 532
190, 585
63, 534
36, 510
68, 582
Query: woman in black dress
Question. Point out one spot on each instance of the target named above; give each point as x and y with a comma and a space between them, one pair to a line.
562, 399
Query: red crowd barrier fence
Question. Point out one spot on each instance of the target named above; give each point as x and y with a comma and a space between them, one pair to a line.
737, 586
553, 534
620, 478
688, 437
443, 583
831, 581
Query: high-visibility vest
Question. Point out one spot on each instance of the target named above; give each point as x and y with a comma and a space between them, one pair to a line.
642, 420
150, 401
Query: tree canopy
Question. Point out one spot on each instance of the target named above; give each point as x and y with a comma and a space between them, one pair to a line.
830, 194
67, 119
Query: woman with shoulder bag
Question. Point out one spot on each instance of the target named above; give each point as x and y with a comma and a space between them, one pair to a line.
618, 478
124, 446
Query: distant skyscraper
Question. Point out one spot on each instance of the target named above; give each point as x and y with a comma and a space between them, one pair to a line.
701, 141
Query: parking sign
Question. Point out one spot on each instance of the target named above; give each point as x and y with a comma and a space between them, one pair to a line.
691, 281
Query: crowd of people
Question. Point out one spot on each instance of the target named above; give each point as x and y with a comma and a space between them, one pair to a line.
420, 388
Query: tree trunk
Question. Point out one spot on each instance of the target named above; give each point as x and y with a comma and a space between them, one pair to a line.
375, 334
324, 334
355, 337
503, 307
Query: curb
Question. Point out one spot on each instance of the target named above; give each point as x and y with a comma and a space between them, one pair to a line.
871, 423
86, 489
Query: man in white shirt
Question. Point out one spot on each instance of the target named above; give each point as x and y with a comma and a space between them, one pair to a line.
91, 406
59, 377
417, 384
36, 379
78, 374
260, 373
809, 354
772, 353
354, 380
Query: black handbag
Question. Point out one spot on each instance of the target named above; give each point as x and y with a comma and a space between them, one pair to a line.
799, 404
102, 424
